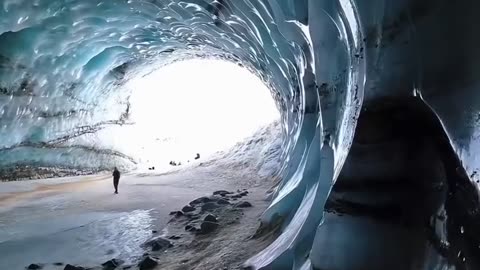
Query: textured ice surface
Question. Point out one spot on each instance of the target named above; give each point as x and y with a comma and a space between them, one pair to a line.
83, 238
63, 65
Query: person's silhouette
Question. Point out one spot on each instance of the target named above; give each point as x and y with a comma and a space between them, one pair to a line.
116, 179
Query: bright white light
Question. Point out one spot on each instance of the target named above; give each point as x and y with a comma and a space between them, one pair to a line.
195, 106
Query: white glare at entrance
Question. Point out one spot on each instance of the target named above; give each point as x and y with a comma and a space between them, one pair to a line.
196, 106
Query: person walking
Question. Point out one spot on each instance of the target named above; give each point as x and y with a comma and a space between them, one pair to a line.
116, 179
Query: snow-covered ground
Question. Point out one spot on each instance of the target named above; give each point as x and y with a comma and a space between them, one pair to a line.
79, 220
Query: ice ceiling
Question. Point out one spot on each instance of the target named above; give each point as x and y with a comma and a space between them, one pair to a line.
64, 65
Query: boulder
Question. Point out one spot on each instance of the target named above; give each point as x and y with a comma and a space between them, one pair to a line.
73, 267
188, 208
58, 264
210, 218
244, 204
200, 200
147, 263
222, 192
208, 227
194, 217
190, 228
209, 206
34, 266
158, 244
112, 264
223, 202
176, 213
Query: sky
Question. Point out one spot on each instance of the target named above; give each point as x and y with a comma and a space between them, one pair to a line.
194, 106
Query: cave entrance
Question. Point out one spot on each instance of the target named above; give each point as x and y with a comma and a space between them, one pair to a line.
189, 107
193, 106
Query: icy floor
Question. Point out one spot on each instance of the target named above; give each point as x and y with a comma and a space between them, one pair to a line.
80, 220
102, 237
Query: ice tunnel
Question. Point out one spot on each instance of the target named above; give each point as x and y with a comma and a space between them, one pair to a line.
379, 101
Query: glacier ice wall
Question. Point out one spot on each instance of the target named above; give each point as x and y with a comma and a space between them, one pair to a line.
64, 65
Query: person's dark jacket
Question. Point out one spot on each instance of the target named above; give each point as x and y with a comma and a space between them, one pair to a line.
116, 174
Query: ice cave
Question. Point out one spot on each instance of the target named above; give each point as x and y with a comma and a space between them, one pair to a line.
379, 116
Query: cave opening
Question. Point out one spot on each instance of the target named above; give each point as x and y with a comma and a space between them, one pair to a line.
189, 107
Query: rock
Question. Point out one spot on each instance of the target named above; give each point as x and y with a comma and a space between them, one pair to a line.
236, 196
154, 231
58, 263
200, 200
243, 205
158, 244
245, 193
147, 263
193, 217
208, 227
112, 264
209, 206
34, 266
158, 247
222, 192
176, 213
190, 228
215, 198
174, 237
188, 208
210, 218
223, 201
72, 267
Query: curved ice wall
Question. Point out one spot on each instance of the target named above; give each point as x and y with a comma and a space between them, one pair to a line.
64, 64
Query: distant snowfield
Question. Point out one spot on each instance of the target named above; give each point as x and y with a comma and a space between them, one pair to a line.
79, 220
